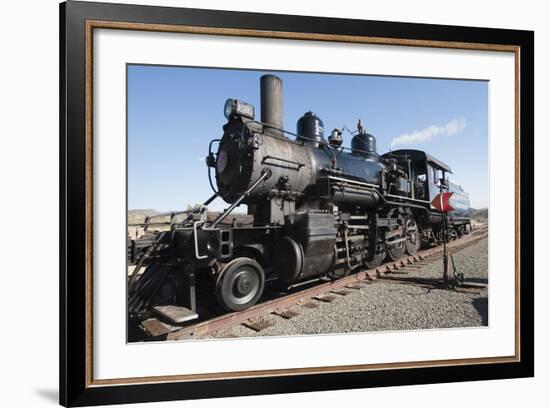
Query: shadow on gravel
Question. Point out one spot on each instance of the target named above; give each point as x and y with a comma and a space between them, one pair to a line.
481, 305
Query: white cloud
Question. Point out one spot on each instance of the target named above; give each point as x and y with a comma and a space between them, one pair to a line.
427, 134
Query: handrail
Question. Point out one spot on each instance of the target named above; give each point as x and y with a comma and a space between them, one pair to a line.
266, 173
172, 215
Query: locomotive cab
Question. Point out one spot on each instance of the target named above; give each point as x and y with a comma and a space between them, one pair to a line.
423, 171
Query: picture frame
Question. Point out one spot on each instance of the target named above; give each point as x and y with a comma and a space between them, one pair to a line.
79, 21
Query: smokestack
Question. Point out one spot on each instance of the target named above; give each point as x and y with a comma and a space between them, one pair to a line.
271, 88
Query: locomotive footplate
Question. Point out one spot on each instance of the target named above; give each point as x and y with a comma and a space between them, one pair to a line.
176, 314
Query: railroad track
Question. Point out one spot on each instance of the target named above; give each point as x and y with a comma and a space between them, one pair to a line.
254, 317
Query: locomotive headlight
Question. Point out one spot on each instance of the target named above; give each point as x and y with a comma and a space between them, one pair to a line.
235, 107
228, 108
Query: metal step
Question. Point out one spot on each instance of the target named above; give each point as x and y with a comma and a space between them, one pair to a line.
176, 314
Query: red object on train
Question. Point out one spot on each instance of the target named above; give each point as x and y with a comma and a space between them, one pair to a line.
441, 202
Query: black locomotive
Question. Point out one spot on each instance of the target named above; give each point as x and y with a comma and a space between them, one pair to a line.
320, 211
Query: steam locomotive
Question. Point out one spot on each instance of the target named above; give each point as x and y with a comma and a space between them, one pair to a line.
320, 211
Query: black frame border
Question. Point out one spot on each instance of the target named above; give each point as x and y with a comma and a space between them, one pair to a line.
73, 388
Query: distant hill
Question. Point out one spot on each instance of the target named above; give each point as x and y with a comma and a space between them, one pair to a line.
138, 216
480, 214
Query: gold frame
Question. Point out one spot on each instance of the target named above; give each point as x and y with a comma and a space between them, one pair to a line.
98, 24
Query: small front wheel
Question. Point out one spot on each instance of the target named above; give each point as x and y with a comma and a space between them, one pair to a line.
240, 284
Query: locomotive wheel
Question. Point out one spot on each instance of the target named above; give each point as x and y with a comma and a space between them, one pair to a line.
375, 260
412, 243
452, 235
395, 252
335, 272
240, 284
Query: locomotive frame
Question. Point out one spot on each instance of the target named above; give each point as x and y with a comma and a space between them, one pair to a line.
77, 385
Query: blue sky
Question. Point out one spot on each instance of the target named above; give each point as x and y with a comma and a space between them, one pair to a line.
174, 112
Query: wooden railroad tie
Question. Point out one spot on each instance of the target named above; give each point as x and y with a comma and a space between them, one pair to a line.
310, 305
341, 292
155, 327
286, 313
258, 324
325, 298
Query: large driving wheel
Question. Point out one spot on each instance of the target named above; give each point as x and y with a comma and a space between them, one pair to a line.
376, 257
412, 243
240, 284
395, 252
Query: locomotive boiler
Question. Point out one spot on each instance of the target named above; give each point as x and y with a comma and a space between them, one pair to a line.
319, 210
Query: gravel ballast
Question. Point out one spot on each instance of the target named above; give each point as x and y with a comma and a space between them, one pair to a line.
382, 305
